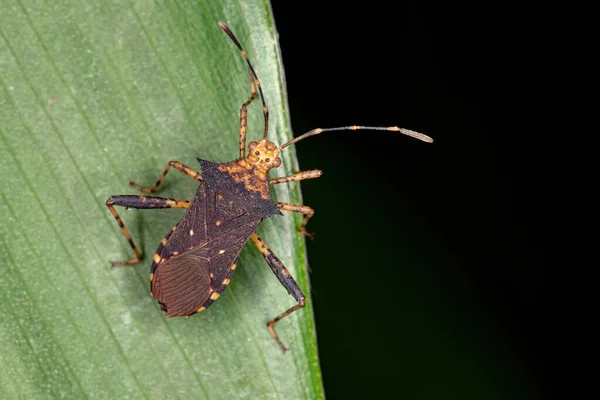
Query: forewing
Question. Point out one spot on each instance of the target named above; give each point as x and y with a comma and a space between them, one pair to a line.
199, 256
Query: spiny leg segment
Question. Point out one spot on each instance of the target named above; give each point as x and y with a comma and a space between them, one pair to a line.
179, 167
253, 73
139, 202
286, 279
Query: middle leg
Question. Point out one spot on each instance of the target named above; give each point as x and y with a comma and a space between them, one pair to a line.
306, 210
309, 212
139, 202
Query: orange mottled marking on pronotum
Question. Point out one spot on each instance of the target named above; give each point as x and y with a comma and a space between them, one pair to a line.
252, 170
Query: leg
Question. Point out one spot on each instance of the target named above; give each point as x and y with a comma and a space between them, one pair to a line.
306, 210
140, 202
298, 176
285, 278
175, 164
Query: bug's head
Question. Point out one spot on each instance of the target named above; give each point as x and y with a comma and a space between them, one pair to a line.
264, 155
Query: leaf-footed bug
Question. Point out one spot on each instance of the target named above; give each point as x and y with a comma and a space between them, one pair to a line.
195, 261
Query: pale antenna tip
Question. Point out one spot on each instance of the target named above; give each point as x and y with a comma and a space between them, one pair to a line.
416, 135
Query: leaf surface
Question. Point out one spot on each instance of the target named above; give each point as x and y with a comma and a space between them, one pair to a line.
93, 94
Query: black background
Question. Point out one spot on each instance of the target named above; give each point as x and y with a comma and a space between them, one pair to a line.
426, 263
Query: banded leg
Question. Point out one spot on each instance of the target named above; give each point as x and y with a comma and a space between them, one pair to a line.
298, 176
306, 210
286, 279
179, 167
139, 202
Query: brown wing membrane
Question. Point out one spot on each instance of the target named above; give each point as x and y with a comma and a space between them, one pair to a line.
182, 284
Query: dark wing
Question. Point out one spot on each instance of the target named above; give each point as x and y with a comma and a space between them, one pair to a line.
198, 258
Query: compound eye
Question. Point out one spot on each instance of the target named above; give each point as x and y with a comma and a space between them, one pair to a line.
252, 145
276, 162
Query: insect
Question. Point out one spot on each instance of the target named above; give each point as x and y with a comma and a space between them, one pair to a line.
195, 261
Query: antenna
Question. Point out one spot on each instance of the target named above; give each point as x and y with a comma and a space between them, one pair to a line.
254, 77
318, 131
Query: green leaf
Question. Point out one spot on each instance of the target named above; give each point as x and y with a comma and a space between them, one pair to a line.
93, 94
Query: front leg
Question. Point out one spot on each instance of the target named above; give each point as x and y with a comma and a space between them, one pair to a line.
286, 279
179, 167
298, 176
